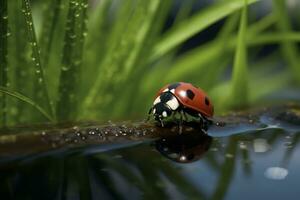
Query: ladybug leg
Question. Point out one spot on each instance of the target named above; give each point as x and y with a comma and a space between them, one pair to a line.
149, 114
161, 122
203, 123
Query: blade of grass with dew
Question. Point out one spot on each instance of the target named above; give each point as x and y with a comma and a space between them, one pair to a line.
20, 64
66, 108
52, 42
40, 88
96, 45
3, 58
110, 62
239, 80
289, 49
119, 63
136, 80
98, 28
27, 100
50, 19
152, 22
186, 29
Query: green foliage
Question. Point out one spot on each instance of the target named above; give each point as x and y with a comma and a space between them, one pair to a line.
40, 90
72, 59
27, 100
195, 24
239, 88
289, 49
108, 58
3, 58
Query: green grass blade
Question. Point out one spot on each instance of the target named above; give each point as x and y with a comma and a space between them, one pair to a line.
27, 100
40, 87
127, 52
3, 58
141, 35
97, 32
52, 42
239, 87
20, 64
114, 56
72, 58
50, 23
289, 49
96, 45
200, 59
184, 10
274, 38
188, 28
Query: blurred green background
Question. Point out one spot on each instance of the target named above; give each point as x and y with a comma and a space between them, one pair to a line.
106, 59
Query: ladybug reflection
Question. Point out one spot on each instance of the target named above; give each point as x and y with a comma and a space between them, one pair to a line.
184, 148
183, 99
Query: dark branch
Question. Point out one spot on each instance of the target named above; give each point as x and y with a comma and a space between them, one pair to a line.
21, 141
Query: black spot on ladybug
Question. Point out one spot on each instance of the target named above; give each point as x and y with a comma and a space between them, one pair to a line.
173, 86
206, 101
190, 94
164, 97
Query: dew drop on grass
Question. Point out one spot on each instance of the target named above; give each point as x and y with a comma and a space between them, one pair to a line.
72, 36
64, 68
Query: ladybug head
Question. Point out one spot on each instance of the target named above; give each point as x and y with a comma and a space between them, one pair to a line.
161, 110
164, 105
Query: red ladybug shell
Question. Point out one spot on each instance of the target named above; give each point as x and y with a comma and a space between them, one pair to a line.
190, 97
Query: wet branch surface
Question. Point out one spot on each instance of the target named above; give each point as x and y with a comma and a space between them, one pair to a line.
36, 139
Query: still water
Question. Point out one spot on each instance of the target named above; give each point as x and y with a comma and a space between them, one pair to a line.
262, 163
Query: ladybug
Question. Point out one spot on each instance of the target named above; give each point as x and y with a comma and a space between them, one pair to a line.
182, 98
